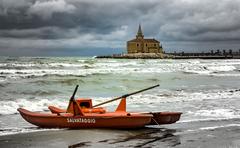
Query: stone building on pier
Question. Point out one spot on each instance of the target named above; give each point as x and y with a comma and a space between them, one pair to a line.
142, 45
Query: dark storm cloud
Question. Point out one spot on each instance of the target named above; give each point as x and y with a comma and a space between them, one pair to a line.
107, 23
85, 16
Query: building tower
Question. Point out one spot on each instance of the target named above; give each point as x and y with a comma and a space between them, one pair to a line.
139, 33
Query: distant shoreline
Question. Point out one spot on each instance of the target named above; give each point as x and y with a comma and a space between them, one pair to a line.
169, 56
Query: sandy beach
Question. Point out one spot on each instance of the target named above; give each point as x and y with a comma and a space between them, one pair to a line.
179, 135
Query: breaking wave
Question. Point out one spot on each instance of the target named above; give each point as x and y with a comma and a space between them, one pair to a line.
16, 71
31, 68
207, 70
212, 115
184, 96
140, 102
10, 107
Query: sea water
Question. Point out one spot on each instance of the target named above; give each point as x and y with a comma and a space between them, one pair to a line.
204, 90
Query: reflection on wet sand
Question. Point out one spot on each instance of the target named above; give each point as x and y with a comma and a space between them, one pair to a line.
81, 144
147, 137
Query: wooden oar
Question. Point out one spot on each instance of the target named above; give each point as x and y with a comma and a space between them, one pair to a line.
72, 98
125, 96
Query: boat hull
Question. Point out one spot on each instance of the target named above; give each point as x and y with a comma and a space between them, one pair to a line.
158, 117
66, 120
164, 118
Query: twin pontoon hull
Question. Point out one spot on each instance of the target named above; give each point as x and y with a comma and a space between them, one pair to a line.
106, 120
158, 117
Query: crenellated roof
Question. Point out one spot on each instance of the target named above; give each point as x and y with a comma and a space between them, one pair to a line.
145, 40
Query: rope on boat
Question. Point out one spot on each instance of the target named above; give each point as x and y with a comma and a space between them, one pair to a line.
156, 122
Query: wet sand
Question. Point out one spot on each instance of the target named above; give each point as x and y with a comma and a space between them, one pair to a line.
181, 135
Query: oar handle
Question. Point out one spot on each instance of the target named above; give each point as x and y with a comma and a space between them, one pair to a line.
72, 98
140, 91
127, 95
74, 93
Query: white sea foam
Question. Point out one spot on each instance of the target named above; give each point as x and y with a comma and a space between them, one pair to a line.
212, 115
26, 65
84, 68
167, 102
14, 73
217, 113
10, 107
2, 80
42, 65
221, 126
226, 75
209, 70
152, 100
67, 65
206, 119
208, 128
18, 130
221, 68
183, 96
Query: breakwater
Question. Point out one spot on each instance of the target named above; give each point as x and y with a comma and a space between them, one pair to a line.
181, 55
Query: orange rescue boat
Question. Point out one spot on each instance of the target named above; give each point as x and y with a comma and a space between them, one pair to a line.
81, 114
86, 106
78, 119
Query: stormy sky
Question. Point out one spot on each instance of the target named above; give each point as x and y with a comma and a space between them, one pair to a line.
93, 27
